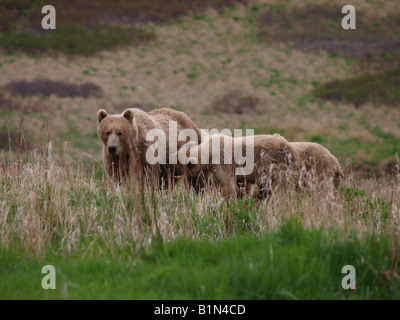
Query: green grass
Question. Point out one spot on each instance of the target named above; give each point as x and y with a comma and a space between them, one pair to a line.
292, 263
381, 88
359, 150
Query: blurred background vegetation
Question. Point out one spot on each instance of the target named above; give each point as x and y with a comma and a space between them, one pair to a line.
271, 65
86, 27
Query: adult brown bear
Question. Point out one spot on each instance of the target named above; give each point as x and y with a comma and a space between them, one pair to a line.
126, 144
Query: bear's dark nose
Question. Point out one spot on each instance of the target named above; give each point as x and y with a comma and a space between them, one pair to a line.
112, 150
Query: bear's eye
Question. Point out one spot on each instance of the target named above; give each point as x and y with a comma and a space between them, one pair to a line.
108, 133
120, 133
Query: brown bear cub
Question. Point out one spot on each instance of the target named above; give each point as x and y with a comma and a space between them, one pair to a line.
125, 141
274, 160
318, 166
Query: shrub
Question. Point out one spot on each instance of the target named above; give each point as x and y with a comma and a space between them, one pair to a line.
74, 40
317, 27
86, 27
113, 12
6, 19
381, 88
45, 87
235, 102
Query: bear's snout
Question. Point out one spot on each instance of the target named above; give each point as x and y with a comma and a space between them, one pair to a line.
112, 150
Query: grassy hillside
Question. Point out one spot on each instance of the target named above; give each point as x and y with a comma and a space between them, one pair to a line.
192, 65
268, 65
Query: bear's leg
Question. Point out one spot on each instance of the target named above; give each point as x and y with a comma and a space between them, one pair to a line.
226, 181
111, 168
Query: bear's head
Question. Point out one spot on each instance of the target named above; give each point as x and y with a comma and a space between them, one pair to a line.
194, 167
117, 132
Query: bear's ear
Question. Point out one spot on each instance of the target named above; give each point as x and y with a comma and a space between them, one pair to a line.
128, 115
101, 114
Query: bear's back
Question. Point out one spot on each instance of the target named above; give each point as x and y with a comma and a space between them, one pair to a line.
164, 115
314, 154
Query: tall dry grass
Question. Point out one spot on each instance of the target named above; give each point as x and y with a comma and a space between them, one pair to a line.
48, 201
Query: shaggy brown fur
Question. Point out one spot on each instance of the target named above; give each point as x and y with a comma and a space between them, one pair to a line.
273, 155
125, 144
319, 163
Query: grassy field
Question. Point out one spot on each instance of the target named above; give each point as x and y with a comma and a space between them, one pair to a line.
292, 263
113, 243
266, 65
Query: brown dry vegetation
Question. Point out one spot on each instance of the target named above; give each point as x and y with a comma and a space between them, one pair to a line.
119, 107
7, 103
313, 26
68, 208
235, 102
